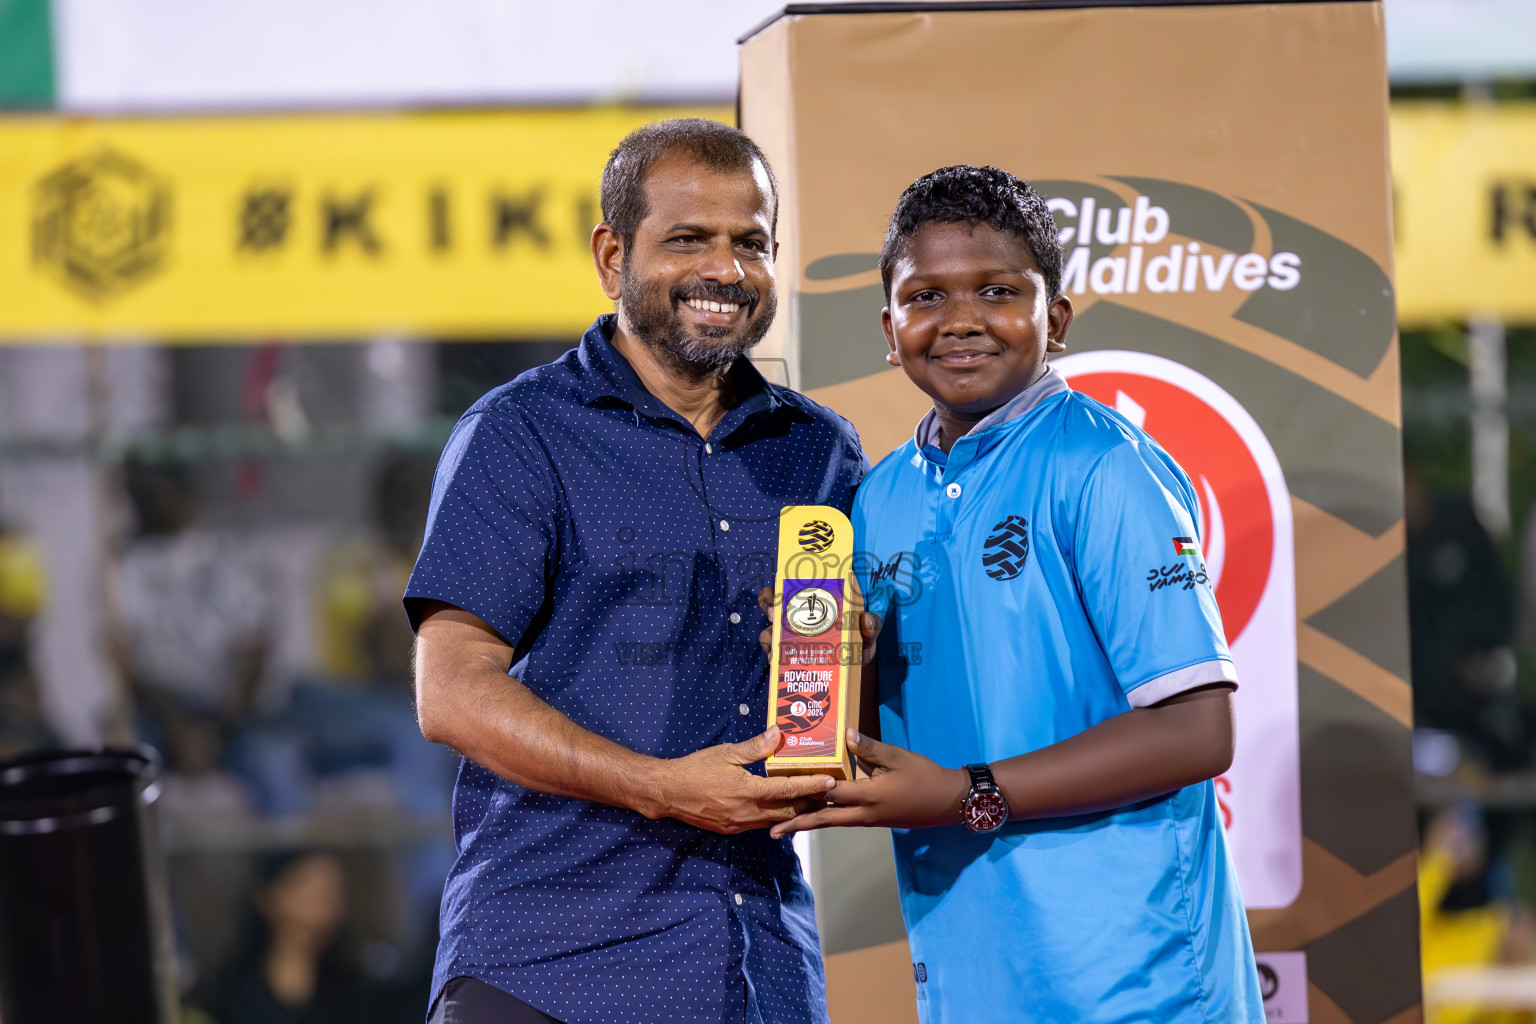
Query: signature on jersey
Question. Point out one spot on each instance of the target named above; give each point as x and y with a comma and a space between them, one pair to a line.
1180, 574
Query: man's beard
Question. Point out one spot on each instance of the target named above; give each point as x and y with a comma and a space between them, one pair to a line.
656, 317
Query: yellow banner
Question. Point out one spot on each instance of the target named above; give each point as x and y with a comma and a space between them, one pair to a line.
1465, 183
333, 226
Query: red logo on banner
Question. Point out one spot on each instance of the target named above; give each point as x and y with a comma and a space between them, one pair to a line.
1237, 533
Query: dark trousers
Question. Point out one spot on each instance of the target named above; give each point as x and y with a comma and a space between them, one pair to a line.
468, 1001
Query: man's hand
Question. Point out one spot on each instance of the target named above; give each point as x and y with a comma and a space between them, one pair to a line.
901, 790
712, 789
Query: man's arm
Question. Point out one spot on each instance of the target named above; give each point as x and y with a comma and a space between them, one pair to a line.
1142, 753
465, 699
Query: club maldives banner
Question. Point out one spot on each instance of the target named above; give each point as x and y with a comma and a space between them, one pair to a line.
473, 223
1219, 175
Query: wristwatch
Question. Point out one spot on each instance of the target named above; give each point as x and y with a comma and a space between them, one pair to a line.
985, 809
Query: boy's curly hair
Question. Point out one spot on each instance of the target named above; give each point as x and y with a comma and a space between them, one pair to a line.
966, 194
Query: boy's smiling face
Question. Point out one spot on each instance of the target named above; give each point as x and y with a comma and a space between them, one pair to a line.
970, 320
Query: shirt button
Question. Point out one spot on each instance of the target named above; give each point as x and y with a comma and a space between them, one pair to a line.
725, 525
953, 490
744, 709
709, 449
738, 899
735, 617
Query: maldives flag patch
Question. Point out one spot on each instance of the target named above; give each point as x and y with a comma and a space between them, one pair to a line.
1186, 546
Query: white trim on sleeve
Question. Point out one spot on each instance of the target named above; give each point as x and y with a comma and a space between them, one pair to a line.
1171, 684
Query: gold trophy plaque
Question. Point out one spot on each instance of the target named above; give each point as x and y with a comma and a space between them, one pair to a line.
816, 654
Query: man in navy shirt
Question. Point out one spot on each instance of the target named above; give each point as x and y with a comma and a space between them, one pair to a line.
585, 605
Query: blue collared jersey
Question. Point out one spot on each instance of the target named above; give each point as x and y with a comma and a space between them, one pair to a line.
1041, 578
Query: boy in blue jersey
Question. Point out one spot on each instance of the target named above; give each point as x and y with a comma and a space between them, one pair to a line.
1050, 722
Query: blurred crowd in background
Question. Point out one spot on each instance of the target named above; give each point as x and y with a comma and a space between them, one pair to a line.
252, 633
1472, 601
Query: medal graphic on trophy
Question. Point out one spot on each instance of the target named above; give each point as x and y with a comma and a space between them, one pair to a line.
810, 612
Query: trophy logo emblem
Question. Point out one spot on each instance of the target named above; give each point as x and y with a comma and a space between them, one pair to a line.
816, 536
811, 611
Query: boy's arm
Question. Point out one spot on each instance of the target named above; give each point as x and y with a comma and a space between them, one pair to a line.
1143, 753
1140, 754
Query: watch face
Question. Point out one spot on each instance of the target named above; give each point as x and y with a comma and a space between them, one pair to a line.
985, 812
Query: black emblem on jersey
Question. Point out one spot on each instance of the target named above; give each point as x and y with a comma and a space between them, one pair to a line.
1006, 549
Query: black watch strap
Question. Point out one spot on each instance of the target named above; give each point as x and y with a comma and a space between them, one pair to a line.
981, 777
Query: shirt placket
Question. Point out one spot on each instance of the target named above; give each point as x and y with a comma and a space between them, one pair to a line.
952, 481
747, 718
702, 451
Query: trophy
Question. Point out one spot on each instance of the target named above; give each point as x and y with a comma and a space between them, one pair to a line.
816, 655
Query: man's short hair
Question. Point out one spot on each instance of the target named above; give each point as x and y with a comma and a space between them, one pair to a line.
965, 194
716, 146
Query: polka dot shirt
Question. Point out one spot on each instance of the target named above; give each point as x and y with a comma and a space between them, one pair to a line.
621, 555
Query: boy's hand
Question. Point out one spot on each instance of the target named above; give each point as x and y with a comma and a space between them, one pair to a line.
903, 790
869, 625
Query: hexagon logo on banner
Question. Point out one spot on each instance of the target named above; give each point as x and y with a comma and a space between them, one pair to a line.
101, 223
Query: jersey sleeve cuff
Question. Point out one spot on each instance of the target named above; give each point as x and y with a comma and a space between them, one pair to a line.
1171, 684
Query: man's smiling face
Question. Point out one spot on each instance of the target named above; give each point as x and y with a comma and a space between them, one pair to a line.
698, 278
969, 319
